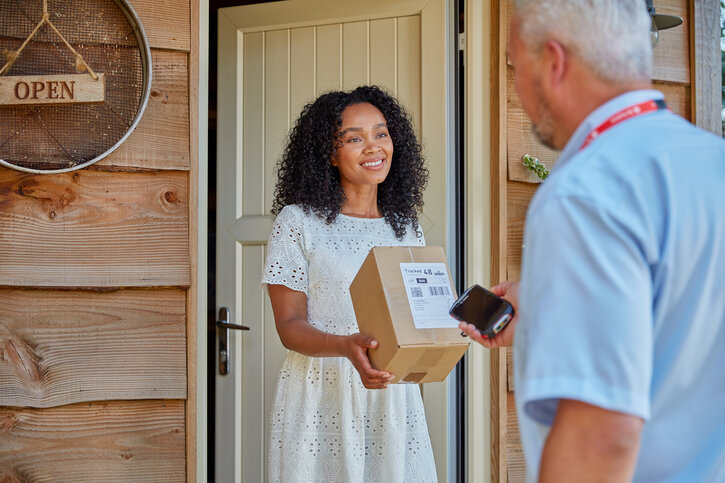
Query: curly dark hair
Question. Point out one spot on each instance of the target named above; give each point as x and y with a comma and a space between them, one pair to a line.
306, 177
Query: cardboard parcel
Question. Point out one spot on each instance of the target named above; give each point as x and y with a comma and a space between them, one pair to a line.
401, 297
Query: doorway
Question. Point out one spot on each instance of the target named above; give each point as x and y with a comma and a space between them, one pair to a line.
452, 235
214, 6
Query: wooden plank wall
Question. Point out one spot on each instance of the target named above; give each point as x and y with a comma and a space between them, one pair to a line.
95, 284
674, 73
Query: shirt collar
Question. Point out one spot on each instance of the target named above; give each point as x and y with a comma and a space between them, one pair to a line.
601, 114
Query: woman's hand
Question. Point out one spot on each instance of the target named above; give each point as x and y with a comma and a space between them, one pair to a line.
508, 291
290, 318
355, 347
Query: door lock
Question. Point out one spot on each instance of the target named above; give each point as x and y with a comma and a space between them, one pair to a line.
224, 326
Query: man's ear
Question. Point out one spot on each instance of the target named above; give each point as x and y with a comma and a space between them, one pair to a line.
558, 62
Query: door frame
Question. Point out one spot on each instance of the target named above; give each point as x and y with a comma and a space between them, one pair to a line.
439, 399
482, 412
197, 364
478, 233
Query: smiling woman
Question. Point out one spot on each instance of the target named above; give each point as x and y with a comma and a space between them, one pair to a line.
350, 179
363, 157
308, 178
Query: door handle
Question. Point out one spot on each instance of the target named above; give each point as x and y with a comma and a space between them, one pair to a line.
229, 325
225, 351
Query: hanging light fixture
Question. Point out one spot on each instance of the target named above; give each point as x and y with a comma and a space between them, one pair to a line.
660, 22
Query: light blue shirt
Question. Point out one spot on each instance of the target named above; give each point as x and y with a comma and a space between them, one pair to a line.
622, 301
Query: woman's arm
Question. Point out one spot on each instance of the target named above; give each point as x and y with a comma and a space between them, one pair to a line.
290, 318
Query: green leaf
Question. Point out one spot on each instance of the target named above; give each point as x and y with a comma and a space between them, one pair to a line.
537, 167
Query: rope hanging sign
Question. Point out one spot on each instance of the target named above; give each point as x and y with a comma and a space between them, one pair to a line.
49, 89
74, 81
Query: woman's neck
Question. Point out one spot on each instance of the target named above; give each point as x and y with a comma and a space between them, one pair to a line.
361, 201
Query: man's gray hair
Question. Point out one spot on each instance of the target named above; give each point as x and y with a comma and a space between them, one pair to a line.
610, 36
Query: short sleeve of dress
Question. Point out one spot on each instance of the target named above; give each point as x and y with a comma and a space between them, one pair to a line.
286, 263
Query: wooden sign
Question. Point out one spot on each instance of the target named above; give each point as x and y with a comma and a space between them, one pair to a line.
52, 89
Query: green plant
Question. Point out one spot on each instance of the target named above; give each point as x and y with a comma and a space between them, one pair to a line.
533, 164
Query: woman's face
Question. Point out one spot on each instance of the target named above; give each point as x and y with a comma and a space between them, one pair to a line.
366, 150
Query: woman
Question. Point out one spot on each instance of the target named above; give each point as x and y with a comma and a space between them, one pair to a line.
351, 178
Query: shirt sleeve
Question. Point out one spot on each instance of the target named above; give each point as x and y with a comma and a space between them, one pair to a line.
286, 263
585, 330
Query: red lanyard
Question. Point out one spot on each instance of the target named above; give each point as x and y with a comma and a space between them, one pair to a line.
623, 115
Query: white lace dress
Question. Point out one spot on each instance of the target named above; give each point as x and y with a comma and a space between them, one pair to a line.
325, 425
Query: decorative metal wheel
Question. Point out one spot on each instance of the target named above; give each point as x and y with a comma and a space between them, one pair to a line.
75, 78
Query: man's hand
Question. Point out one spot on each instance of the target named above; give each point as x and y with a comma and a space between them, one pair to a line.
355, 348
508, 291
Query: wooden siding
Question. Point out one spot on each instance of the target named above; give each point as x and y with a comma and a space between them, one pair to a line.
97, 330
671, 56
518, 197
95, 441
97, 346
514, 186
161, 139
94, 229
707, 71
521, 139
167, 24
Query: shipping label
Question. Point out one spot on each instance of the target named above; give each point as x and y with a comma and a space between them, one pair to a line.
430, 294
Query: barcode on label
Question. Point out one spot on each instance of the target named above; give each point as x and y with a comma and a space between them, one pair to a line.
438, 290
416, 292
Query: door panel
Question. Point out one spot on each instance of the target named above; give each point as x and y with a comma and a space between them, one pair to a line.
302, 69
354, 54
408, 69
228, 410
253, 105
273, 59
382, 53
253, 349
276, 109
329, 57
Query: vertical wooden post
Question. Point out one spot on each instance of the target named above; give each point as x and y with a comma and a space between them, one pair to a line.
499, 411
705, 65
195, 408
478, 140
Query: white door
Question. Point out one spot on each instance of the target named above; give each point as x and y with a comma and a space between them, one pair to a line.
273, 59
